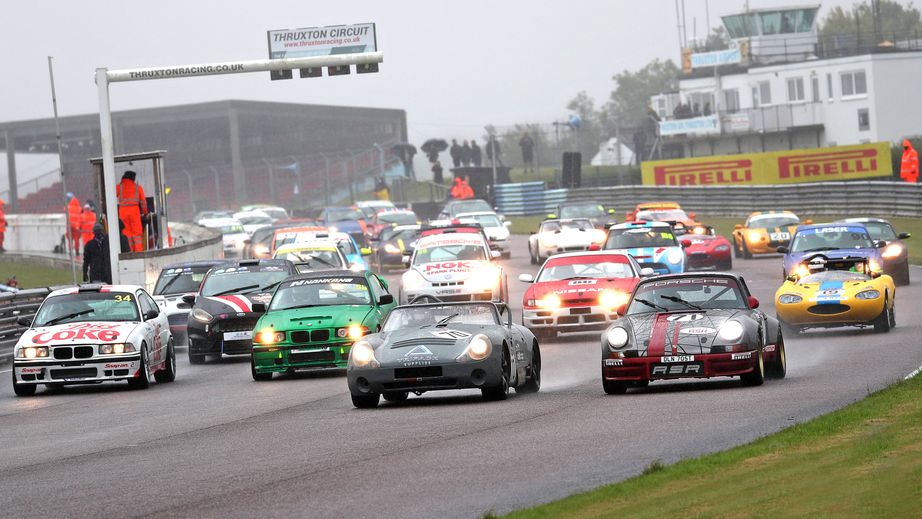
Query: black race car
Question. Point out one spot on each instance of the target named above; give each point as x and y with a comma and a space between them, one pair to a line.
222, 317
691, 326
601, 218
390, 246
177, 280
436, 346
895, 254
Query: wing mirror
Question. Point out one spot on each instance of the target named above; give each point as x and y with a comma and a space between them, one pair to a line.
386, 299
595, 247
686, 244
621, 309
151, 314
880, 244
259, 308
782, 250
526, 278
753, 302
365, 251
189, 299
792, 278
647, 272
24, 320
406, 261
904, 235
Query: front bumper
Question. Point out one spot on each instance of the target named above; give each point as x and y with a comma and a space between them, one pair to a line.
467, 375
690, 366
568, 319
230, 336
452, 294
83, 371
853, 312
283, 358
547, 252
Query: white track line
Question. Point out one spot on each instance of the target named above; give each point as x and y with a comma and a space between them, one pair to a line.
8, 370
914, 373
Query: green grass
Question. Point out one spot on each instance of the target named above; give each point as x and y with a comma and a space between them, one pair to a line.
864, 460
30, 275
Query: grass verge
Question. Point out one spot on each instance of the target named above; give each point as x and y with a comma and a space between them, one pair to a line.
30, 275
864, 460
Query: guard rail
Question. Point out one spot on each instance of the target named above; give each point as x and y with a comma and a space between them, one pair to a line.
13, 306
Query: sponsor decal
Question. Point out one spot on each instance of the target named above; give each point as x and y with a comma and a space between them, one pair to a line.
582, 282
779, 236
614, 362
698, 330
679, 282
117, 365
737, 171
829, 164
451, 334
741, 356
769, 348
419, 351
80, 332
449, 267
678, 358
324, 281
30, 370
672, 370
684, 318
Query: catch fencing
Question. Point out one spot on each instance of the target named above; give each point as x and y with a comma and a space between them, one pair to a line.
858, 198
13, 306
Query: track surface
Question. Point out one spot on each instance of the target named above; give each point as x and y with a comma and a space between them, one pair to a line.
215, 443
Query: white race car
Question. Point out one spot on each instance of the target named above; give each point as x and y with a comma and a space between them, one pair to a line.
497, 231
232, 231
253, 220
563, 235
456, 264
93, 334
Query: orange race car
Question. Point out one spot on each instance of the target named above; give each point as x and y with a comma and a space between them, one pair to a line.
764, 232
670, 212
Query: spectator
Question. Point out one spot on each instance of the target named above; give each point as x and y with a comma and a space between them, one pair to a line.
380, 190
455, 152
909, 166
494, 152
96, 265
528, 152
75, 217
476, 154
87, 221
466, 153
707, 108
437, 172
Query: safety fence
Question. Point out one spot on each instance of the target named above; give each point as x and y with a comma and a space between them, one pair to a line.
878, 198
13, 306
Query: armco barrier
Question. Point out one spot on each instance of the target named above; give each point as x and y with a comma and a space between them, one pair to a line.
527, 198
822, 198
13, 306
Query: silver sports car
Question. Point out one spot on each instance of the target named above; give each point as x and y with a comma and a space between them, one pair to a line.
434, 346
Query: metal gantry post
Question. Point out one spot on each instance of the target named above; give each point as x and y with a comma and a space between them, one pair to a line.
108, 175
57, 132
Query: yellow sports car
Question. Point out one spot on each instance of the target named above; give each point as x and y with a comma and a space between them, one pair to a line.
763, 233
826, 293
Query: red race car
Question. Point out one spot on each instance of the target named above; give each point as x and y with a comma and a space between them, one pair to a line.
579, 291
705, 249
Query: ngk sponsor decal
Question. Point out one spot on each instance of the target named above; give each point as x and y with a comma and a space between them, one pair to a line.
79, 332
449, 267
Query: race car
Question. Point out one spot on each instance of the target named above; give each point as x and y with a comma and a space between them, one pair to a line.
895, 254
835, 241
496, 230
706, 250
345, 219
175, 281
232, 233
291, 234
578, 291
313, 320
472, 205
439, 346
370, 207
223, 317
454, 264
313, 255
653, 245
391, 218
556, 236
275, 212
253, 220
649, 207
92, 334
596, 212
692, 325
763, 233
673, 217
391, 244
836, 292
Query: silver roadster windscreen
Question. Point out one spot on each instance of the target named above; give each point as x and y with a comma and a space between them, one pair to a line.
418, 316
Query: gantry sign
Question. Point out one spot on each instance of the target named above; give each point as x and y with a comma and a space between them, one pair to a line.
336, 63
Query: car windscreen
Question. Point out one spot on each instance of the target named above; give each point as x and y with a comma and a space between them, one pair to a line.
582, 211
470, 206
262, 236
346, 246
87, 306
255, 220
434, 253
305, 293
558, 269
407, 235
243, 279
880, 231
181, 280
418, 316
833, 276
663, 215
640, 237
831, 238
398, 218
485, 220
313, 259
772, 222
341, 215
687, 294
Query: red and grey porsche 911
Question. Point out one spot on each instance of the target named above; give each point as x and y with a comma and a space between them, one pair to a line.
579, 291
706, 250
691, 326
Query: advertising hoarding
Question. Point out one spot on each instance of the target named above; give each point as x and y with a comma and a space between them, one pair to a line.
320, 41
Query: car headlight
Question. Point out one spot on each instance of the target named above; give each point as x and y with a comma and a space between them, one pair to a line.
355, 331
674, 256
548, 242
115, 349
753, 236
32, 352
549, 302
479, 348
892, 251
789, 299
616, 337
598, 236
802, 271
731, 331
390, 248
202, 316
874, 265
260, 250
270, 337
483, 278
413, 280
333, 228
362, 355
721, 248
868, 294
612, 298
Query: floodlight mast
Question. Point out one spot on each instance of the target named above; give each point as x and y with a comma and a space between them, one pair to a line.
105, 76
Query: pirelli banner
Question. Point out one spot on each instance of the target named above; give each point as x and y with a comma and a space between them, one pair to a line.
776, 167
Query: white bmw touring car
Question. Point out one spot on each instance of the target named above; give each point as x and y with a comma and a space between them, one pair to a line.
93, 334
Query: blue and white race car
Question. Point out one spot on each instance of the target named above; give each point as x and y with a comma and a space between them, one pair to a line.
833, 240
652, 244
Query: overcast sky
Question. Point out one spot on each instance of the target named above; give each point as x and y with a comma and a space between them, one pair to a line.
454, 66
